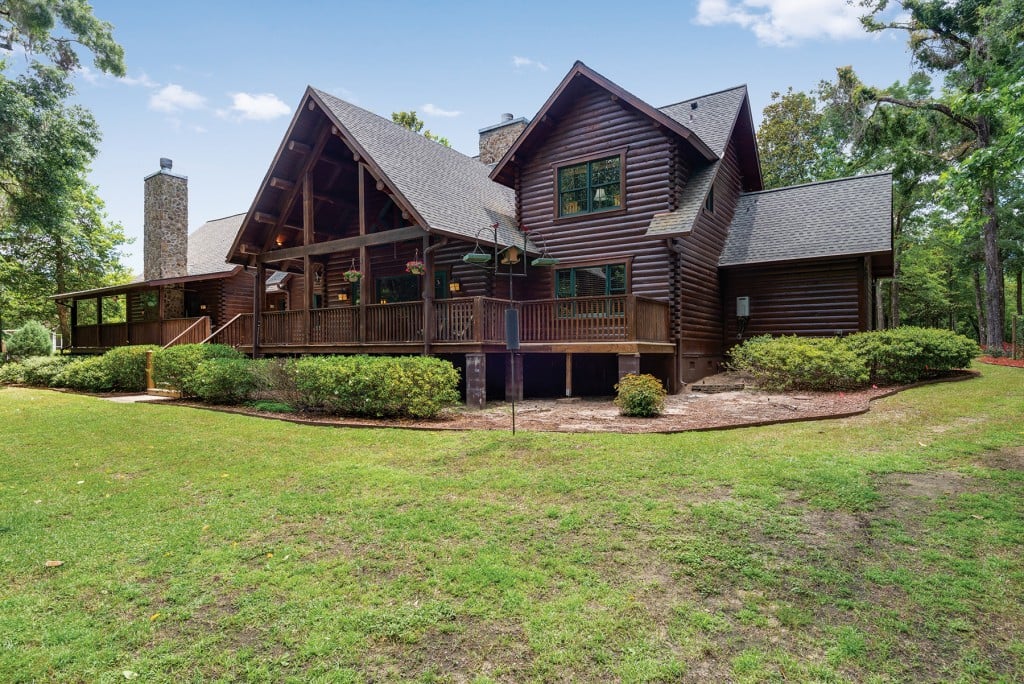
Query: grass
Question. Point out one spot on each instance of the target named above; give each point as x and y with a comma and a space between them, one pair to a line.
203, 546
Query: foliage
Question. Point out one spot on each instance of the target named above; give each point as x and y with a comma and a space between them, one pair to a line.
88, 374
908, 354
803, 363
126, 367
379, 386
39, 371
32, 25
271, 406
640, 395
176, 366
12, 373
794, 144
226, 380
31, 339
413, 122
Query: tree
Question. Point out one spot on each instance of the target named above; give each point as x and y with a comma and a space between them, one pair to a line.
411, 121
975, 45
54, 235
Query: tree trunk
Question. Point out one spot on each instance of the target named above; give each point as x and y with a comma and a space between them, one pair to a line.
979, 305
880, 306
994, 302
1020, 278
60, 282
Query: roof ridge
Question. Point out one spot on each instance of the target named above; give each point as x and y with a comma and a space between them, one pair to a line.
241, 213
821, 182
697, 97
391, 122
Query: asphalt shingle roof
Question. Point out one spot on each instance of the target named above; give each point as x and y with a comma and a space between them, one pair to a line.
714, 117
208, 246
452, 192
832, 218
690, 202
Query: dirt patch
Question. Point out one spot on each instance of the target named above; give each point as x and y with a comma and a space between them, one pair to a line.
1006, 459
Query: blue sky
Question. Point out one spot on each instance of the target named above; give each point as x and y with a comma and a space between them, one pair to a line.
213, 84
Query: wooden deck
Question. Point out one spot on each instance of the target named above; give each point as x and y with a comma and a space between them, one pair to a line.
619, 323
89, 339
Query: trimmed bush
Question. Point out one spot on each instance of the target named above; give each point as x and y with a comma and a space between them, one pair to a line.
39, 371
176, 366
12, 373
800, 363
378, 386
226, 381
86, 375
908, 354
126, 367
640, 395
31, 339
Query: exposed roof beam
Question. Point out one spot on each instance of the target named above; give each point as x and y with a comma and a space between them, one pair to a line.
331, 246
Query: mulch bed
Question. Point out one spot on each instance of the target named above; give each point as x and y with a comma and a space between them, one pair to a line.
1002, 361
687, 411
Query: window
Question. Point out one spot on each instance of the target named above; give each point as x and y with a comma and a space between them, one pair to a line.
590, 186
709, 201
591, 281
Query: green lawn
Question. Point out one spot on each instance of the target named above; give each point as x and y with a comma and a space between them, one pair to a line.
200, 546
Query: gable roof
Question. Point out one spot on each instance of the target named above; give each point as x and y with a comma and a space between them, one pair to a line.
840, 217
449, 191
680, 221
581, 70
208, 246
713, 117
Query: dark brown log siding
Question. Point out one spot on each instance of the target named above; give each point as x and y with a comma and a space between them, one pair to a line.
700, 298
820, 298
594, 125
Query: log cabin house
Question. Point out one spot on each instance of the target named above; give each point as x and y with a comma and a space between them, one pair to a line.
628, 238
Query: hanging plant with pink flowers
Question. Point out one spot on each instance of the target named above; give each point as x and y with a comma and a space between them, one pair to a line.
416, 267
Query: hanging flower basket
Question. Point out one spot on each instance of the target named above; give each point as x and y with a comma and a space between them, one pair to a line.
415, 267
352, 276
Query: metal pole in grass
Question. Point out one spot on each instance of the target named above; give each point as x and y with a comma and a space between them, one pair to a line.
512, 345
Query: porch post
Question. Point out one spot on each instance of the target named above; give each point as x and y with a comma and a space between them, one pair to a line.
307, 240
476, 380
428, 295
364, 258
514, 377
568, 375
257, 307
628, 363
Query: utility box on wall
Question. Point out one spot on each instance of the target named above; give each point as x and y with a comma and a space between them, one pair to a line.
743, 307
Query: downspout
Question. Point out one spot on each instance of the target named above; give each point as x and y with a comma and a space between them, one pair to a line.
675, 246
428, 292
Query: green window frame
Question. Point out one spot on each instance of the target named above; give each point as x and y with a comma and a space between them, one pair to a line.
590, 186
591, 281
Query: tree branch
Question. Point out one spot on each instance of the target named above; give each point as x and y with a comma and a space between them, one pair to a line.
933, 106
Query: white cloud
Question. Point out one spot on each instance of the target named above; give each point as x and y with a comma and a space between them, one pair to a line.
174, 98
786, 22
526, 62
437, 111
259, 107
87, 74
141, 80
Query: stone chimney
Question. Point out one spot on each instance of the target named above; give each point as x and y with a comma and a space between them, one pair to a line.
165, 231
495, 140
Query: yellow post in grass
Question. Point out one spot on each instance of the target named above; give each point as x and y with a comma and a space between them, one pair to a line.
149, 370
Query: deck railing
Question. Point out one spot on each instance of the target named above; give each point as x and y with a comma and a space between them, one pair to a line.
236, 333
402, 322
195, 333
108, 335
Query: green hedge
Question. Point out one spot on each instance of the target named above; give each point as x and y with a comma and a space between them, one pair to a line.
908, 354
37, 371
176, 366
87, 374
898, 356
126, 367
226, 381
378, 386
31, 339
640, 395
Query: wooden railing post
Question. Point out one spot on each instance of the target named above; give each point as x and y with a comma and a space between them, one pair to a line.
631, 317
478, 319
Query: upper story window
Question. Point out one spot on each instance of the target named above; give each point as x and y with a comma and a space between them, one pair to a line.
590, 186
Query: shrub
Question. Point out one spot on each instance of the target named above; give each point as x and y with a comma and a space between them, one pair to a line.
226, 381
176, 366
640, 395
908, 354
126, 367
12, 373
86, 375
39, 371
807, 363
31, 339
379, 386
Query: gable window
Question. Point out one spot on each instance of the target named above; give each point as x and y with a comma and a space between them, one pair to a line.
590, 186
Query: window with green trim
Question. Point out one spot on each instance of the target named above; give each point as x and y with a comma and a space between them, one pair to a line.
591, 281
590, 186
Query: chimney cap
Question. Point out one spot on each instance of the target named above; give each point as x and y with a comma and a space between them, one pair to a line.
165, 164
506, 117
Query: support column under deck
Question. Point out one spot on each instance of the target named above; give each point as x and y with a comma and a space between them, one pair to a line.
476, 380
629, 363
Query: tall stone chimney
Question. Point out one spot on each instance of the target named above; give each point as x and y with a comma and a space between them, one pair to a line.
495, 140
165, 231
